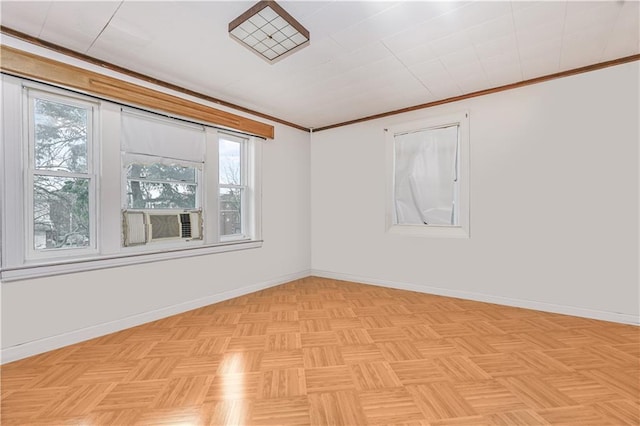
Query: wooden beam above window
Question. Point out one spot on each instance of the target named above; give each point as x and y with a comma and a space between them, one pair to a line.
24, 64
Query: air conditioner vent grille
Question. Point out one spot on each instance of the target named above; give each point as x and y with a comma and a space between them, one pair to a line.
185, 223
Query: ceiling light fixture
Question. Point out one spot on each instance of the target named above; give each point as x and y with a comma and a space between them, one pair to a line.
269, 31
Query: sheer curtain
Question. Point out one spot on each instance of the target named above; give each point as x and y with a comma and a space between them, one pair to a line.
425, 186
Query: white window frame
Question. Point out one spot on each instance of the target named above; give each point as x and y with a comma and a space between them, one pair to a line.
462, 229
93, 140
17, 263
245, 205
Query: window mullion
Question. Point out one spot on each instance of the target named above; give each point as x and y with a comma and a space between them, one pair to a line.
59, 173
211, 188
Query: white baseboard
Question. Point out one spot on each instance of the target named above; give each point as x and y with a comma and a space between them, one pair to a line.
35, 347
479, 297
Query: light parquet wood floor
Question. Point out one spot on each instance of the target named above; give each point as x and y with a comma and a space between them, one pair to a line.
323, 352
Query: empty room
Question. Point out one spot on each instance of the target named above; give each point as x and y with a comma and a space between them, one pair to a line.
320, 213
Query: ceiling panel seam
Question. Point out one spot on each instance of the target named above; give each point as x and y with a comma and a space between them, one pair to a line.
105, 26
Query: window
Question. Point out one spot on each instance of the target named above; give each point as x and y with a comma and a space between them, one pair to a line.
233, 186
163, 160
161, 186
88, 184
61, 180
428, 179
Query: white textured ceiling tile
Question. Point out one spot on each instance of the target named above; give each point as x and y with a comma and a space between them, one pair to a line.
460, 58
416, 55
377, 70
118, 33
424, 32
407, 39
620, 47
533, 35
577, 59
300, 9
587, 37
502, 61
472, 83
539, 15
76, 25
478, 12
517, 5
453, 43
504, 76
605, 13
498, 46
338, 15
384, 24
631, 10
624, 39
434, 26
539, 66
428, 67
468, 72
581, 49
576, 7
491, 30
405, 89
318, 52
27, 17
370, 53
544, 48
441, 86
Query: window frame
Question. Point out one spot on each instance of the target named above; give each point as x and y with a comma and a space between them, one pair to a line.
107, 181
31, 171
243, 187
462, 229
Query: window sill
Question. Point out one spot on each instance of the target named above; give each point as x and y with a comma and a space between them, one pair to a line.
93, 263
432, 231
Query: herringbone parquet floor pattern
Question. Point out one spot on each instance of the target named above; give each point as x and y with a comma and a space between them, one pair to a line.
322, 352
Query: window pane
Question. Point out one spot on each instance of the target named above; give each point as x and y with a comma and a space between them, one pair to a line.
426, 167
162, 172
230, 173
60, 136
60, 212
230, 211
152, 195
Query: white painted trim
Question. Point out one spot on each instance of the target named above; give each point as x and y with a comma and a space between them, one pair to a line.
35, 347
480, 297
116, 260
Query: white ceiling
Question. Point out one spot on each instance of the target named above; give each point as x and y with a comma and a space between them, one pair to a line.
365, 57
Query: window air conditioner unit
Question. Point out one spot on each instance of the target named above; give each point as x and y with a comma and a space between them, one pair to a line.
143, 227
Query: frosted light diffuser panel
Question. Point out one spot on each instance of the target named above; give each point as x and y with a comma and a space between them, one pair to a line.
269, 31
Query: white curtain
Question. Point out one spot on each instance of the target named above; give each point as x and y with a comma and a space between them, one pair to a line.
425, 176
144, 134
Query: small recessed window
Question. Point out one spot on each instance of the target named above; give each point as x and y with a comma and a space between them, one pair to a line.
429, 179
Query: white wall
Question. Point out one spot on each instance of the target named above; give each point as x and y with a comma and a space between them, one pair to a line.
41, 314
554, 220
46, 307
554, 201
